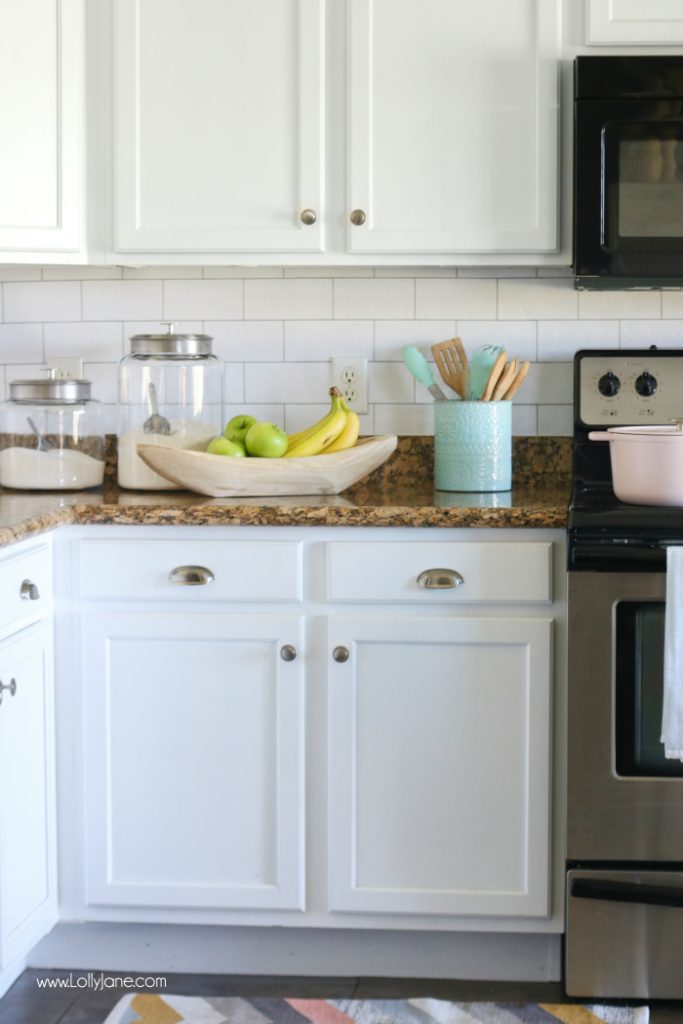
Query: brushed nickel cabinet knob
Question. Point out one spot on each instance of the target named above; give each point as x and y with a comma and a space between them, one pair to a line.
308, 216
28, 591
341, 654
357, 217
11, 686
288, 653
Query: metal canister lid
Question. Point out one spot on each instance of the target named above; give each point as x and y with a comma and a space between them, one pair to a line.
57, 391
171, 344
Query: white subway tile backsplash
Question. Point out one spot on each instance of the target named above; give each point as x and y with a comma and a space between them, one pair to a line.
524, 419
278, 358
619, 305
392, 335
203, 300
121, 300
233, 383
462, 299
21, 342
313, 340
374, 299
404, 419
30, 302
560, 339
287, 382
518, 337
548, 383
391, 382
291, 299
104, 378
555, 420
643, 333
537, 300
250, 341
94, 342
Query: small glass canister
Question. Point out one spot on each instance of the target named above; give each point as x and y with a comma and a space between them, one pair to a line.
170, 393
51, 436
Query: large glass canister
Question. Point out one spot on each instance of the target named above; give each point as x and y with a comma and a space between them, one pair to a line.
51, 436
170, 393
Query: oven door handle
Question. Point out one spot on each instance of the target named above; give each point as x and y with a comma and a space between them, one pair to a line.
627, 892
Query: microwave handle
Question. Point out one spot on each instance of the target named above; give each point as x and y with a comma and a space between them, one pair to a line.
627, 892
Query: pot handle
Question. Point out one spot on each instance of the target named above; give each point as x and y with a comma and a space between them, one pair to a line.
600, 435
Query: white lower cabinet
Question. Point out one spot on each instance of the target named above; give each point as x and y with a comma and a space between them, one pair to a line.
194, 741
28, 904
439, 765
367, 746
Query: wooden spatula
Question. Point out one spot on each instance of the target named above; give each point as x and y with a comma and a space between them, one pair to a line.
517, 380
451, 361
505, 380
494, 377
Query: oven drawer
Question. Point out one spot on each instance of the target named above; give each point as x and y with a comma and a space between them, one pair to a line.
624, 934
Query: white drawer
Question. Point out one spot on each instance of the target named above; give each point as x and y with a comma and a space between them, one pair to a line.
499, 571
25, 586
141, 570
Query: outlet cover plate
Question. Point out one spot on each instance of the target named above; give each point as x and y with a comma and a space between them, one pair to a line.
66, 366
350, 374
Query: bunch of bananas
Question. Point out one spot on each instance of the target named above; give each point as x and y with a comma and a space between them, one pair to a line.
335, 432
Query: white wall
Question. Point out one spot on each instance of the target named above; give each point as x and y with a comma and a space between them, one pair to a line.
276, 330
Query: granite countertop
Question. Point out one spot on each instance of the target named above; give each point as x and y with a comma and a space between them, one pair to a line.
400, 493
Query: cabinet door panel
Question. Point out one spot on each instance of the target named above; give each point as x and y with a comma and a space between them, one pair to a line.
27, 867
454, 125
630, 22
439, 766
219, 128
194, 761
41, 112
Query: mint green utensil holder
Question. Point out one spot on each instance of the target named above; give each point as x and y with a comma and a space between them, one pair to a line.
472, 446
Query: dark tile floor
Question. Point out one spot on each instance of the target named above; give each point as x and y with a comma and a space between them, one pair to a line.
27, 1003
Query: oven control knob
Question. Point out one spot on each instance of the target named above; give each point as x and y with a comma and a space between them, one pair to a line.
609, 384
646, 384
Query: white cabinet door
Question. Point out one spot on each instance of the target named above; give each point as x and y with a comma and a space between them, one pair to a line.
194, 760
219, 125
42, 98
28, 899
440, 766
453, 125
634, 22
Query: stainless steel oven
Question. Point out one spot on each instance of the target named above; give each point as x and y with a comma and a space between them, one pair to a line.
625, 798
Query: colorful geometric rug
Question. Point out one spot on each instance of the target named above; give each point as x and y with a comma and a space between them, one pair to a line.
154, 1009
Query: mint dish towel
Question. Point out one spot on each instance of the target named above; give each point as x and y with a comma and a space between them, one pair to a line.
672, 711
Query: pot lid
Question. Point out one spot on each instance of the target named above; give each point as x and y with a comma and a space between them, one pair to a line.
674, 429
52, 390
170, 344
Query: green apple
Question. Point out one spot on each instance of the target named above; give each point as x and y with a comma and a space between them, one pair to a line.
266, 440
237, 428
223, 446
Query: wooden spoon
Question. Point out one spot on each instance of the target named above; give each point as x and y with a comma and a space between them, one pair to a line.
451, 360
505, 380
496, 371
514, 387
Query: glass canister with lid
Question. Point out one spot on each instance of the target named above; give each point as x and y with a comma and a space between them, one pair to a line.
51, 436
170, 393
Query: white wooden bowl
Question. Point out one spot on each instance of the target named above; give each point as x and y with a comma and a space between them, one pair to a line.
223, 476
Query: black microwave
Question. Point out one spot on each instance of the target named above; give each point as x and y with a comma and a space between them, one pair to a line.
628, 172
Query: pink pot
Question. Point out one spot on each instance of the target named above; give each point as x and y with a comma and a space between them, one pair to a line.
647, 463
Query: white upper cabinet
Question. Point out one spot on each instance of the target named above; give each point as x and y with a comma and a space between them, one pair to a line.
42, 98
453, 126
218, 126
634, 22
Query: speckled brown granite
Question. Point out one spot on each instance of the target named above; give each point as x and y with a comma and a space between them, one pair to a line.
400, 493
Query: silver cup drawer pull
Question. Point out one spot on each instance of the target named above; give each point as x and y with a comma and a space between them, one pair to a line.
28, 591
11, 686
440, 579
191, 576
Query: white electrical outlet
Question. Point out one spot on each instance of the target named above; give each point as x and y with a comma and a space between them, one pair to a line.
66, 366
351, 377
